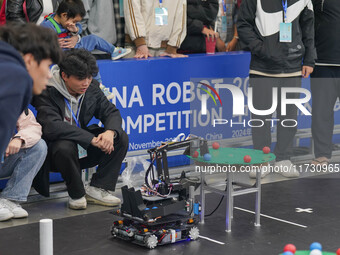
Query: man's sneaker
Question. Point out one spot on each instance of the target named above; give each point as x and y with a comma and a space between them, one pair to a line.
265, 170
5, 213
119, 53
99, 196
286, 169
77, 204
15, 208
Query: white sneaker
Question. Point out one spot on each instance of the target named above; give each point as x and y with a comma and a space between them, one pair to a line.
5, 213
101, 197
77, 204
286, 169
15, 208
120, 52
264, 172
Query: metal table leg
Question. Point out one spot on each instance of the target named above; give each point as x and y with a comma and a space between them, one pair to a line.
232, 198
258, 198
202, 196
229, 202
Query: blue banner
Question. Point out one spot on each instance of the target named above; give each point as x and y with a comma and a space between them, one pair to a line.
154, 95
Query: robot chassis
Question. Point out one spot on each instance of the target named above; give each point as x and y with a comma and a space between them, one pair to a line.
164, 211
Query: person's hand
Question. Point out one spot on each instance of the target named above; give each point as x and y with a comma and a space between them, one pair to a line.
142, 52
68, 43
13, 147
210, 33
306, 71
94, 142
220, 45
231, 45
106, 140
173, 55
72, 27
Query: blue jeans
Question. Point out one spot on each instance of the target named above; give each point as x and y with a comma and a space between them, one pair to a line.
93, 42
22, 168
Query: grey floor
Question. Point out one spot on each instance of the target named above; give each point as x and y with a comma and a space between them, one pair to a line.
56, 206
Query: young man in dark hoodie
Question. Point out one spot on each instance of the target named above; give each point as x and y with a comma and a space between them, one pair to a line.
325, 82
26, 52
280, 36
65, 109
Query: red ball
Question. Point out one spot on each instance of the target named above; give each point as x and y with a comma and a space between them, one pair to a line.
195, 155
338, 252
266, 150
247, 158
288, 247
216, 145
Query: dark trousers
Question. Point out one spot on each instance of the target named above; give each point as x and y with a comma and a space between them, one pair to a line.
325, 86
262, 100
64, 159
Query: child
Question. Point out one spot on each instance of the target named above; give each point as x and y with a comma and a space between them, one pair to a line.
226, 25
66, 23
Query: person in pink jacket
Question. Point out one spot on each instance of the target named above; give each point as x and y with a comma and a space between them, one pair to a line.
23, 158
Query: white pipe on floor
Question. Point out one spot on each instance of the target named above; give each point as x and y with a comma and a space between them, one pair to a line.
46, 237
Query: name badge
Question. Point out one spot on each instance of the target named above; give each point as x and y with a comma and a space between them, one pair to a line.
161, 16
121, 8
285, 32
224, 24
82, 153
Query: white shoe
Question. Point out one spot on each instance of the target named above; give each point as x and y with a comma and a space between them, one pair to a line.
5, 213
77, 204
120, 52
100, 196
264, 172
286, 169
15, 208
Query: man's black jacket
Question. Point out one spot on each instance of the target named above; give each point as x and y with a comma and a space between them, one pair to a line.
258, 28
34, 8
50, 106
327, 31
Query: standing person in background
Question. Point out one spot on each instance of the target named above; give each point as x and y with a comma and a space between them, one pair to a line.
26, 53
325, 82
30, 10
110, 26
226, 26
280, 36
118, 7
201, 16
155, 34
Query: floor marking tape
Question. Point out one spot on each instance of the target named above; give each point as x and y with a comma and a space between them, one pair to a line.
273, 218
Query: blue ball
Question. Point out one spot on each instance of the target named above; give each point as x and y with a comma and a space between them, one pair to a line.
316, 246
207, 157
288, 253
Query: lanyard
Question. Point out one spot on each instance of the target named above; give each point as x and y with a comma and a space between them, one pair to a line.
285, 7
224, 6
75, 117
